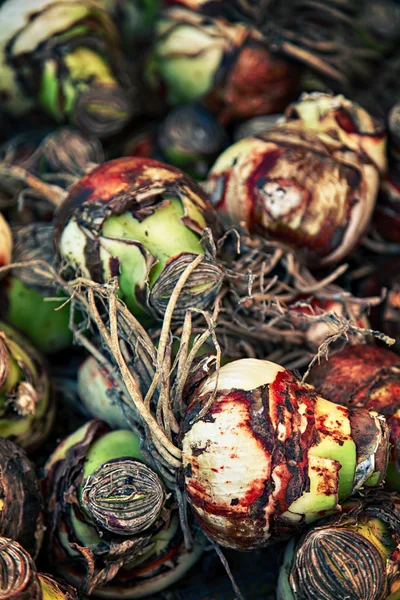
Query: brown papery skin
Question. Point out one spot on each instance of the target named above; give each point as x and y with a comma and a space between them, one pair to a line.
363, 376
21, 504
360, 571
352, 377
18, 580
129, 185
257, 84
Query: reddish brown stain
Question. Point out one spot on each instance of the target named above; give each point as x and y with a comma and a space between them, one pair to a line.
350, 372
115, 184
267, 161
253, 493
264, 409
116, 176
335, 434
363, 376
327, 485
258, 83
197, 489
345, 121
149, 567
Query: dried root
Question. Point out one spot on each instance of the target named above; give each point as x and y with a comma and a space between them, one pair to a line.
274, 305
36, 172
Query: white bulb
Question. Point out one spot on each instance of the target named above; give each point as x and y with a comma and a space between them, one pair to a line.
244, 374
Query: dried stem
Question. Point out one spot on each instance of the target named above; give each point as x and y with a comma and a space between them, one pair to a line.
238, 594
183, 516
182, 361
181, 381
166, 327
344, 329
169, 450
54, 194
310, 58
380, 246
321, 6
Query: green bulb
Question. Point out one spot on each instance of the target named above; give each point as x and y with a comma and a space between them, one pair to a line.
38, 318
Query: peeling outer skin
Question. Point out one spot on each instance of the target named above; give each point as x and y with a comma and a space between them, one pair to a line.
155, 574
135, 185
371, 436
132, 184
21, 504
19, 579
92, 567
223, 35
88, 567
363, 376
254, 463
64, 468
39, 423
302, 188
63, 473
343, 120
